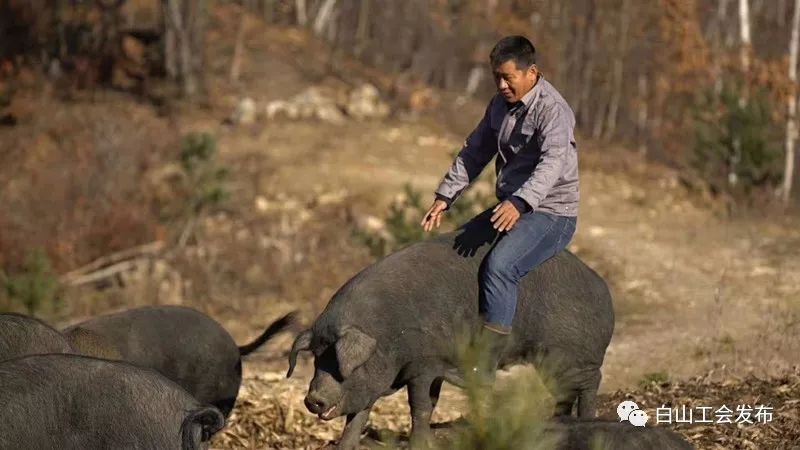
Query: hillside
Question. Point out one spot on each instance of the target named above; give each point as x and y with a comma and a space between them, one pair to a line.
696, 293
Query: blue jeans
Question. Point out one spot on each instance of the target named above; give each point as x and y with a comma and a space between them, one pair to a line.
535, 238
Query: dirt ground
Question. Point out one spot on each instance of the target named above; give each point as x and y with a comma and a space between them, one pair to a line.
696, 293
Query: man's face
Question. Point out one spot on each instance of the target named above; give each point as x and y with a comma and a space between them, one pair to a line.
513, 83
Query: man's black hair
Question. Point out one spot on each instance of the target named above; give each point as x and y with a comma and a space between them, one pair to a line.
516, 48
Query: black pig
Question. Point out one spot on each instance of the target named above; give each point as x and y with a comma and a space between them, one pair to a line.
22, 335
77, 402
396, 324
183, 344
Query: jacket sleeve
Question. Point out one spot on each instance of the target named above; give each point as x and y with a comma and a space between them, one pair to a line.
555, 132
479, 148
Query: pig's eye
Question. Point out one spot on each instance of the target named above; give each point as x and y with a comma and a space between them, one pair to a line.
319, 350
318, 346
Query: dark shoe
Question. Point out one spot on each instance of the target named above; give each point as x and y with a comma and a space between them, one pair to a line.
485, 352
495, 345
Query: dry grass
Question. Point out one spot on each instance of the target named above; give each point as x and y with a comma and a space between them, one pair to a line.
781, 393
270, 413
72, 181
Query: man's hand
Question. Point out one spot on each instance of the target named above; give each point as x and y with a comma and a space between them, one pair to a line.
505, 216
433, 218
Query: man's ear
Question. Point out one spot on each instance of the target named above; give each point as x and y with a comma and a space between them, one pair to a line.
353, 349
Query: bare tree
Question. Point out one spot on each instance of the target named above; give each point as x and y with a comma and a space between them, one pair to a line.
746, 45
592, 35
362, 28
779, 10
744, 33
238, 49
324, 16
717, 33
185, 24
302, 13
619, 61
642, 113
791, 119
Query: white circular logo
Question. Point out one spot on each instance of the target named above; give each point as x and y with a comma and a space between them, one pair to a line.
625, 408
630, 411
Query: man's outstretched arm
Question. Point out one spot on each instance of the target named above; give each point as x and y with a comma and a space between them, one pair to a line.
478, 150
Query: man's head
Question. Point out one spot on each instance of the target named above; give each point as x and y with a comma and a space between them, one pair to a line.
513, 61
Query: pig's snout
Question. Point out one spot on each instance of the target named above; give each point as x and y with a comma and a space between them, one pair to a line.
315, 404
320, 406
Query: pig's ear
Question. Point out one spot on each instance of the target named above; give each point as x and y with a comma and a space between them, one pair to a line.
353, 349
301, 343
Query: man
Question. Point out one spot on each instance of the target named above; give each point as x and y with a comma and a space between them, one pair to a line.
529, 126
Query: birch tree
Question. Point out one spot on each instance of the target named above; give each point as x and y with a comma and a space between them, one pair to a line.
324, 16
791, 119
718, 34
302, 14
744, 33
745, 46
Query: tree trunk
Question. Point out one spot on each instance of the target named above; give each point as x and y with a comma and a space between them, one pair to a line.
170, 43
619, 61
188, 81
474, 80
198, 29
744, 33
718, 41
600, 115
642, 114
332, 27
302, 14
362, 29
574, 61
185, 31
561, 18
592, 25
268, 10
323, 17
791, 119
238, 49
780, 13
745, 45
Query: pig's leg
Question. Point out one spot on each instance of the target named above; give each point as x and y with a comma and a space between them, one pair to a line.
588, 396
436, 389
352, 430
421, 400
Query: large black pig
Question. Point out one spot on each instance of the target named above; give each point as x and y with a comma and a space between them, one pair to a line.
183, 344
22, 335
609, 435
398, 322
77, 402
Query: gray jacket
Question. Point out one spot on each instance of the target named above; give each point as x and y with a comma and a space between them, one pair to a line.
537, 158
